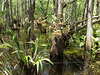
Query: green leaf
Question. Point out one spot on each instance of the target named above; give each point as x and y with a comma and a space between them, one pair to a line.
25, 59
37, 64
16, 41
31, 60
42, 44
41, 65
37, 57
11, 33
14, 37
33, 48
0, 62
48, 60
5, 46
17, 51
32, 42
9, 73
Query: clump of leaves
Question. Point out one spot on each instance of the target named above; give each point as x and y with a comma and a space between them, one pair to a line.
37, 58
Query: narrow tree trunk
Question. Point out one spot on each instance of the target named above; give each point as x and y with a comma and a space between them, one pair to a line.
26, 7
14, 10
31, 19
56, 52
85, 11
89, 38
11, 12
3, 8
97, 8
22, 12
73, 13
7, 13
55, 3
31, 11
17, 13
64, 14
47, 9
92, 6
60, 10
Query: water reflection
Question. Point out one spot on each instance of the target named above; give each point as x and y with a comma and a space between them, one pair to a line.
62, 68
56, 69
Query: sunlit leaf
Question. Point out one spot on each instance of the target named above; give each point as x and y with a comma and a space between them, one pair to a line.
9, 73
32, 42
41, 65
5, 46
16, 51
42, 44
16, 41
0, 62
37, 64
37, 57
25, 59
14, 37
46, 59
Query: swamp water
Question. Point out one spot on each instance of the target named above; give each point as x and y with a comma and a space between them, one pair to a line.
69, 66
72, 63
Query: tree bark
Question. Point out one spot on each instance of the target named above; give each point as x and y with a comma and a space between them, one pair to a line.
26, 8
31, 19
7, 13
56, 52
73, 13
85, 10
11, 12
55, 3
47, 9
60, 10
14, 10
89, 38
17, 13
22, 12
97, 8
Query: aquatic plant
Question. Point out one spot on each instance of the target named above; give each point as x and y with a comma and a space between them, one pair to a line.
36, 58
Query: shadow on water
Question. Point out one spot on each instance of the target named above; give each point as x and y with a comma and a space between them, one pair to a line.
63, 68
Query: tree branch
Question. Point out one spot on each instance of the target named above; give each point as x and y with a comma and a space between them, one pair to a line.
70, 32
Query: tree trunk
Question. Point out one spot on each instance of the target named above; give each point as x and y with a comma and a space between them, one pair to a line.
22, 12
47, 9
56, 52
26, 7
97, 8
85, 11
31, 19
14, 10
31, 11
60, 10
89, 38
73, 13
7, 13
17, 13
11, 12
55, 3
